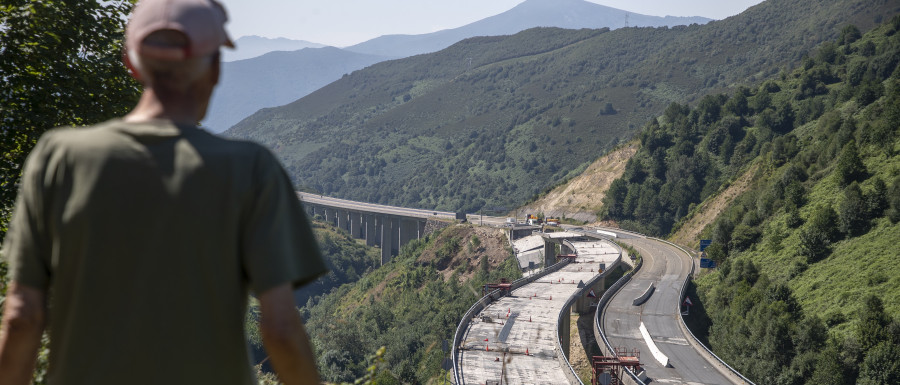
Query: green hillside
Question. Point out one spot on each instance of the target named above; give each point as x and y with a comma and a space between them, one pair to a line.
493, 121
409, 306
807, 291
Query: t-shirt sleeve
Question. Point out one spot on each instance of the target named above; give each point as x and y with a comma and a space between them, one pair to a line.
27, 245
278, 243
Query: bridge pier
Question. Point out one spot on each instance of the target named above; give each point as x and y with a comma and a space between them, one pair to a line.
356, 229
549, 253
390, 234
330, 215
409, 230
371, 233
342, 216
583, 303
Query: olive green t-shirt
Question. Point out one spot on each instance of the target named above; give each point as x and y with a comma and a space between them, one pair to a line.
148, 238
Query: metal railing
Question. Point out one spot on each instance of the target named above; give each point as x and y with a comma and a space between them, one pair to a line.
482, 303
681, 319
598, 316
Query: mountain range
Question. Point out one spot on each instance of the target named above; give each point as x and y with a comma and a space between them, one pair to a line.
251, 84
277, 78
247, 47
494, 121
569, 14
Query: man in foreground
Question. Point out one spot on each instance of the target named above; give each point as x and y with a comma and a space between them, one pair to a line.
143, 235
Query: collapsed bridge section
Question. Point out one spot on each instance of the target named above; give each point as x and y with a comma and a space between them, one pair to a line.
519, 332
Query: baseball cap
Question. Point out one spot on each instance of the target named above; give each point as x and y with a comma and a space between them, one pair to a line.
202, 21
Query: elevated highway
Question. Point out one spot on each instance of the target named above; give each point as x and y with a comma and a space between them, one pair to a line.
667, 268
388, 227
527, 330
522, 336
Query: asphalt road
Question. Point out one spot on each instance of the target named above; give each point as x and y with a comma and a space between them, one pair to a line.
666, 267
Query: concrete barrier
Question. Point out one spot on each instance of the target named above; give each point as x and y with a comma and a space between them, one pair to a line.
630, 377
569, 371
482, 303
607, 233
694, 341
563, 360
654, 350
644, 297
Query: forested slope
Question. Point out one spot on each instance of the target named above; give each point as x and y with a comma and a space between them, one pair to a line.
409, 306
493, 121
807, 291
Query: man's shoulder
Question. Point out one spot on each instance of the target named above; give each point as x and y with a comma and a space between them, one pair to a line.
114, 132
232, 147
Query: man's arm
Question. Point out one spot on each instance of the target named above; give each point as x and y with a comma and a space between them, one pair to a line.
24, 315
285, 337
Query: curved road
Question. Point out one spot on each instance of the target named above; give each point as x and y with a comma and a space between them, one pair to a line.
666, 267
514, 339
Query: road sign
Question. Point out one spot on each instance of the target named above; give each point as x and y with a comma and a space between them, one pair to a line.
707, 263
704, 243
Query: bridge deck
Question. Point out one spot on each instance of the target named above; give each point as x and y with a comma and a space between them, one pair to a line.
525, 322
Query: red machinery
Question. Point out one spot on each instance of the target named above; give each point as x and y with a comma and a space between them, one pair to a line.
609, 370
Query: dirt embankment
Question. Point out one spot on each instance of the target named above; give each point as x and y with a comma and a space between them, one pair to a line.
582, 198
461, 247
689, 233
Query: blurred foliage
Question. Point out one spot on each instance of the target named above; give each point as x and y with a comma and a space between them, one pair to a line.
60, 65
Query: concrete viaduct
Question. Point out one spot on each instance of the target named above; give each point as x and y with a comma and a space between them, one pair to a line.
387, 227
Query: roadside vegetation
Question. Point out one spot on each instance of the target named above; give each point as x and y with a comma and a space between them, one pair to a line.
806, 292
409, 306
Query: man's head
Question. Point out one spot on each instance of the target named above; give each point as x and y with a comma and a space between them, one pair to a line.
170, 43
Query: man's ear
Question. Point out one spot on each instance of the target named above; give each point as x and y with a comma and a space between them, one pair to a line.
132, 70
216, 67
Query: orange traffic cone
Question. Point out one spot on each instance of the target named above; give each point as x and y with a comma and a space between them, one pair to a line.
526, 351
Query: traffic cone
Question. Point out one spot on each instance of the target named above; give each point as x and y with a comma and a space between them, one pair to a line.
526, 351
529, 318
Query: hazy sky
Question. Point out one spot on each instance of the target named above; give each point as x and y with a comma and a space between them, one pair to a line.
347, 22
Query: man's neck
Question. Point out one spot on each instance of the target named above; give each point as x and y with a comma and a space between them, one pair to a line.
179, 109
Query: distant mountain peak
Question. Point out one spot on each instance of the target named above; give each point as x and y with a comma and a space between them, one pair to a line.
251, 46
569, 14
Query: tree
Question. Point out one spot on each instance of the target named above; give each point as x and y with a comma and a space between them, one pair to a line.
60, 65
873, 323
818, 233
881, 365
853, 211
849, 167
893, 200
